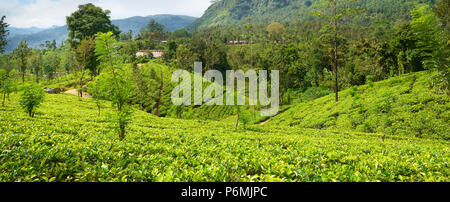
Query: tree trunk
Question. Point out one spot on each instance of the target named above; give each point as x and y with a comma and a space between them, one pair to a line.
121, 132
336, 87
23, 76
81, 85
237, 121
158, 102
98, 106
4, 98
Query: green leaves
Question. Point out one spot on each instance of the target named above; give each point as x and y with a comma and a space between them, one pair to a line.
32, 96
70, 142
116, 81
87, 21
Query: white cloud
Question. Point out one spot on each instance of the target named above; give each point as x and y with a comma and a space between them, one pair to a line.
46, 13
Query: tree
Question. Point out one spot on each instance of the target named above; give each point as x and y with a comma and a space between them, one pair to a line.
6, 84
117, 79
85, 60
87, 21
333, 12
275, 30
51, 62
22, 52
3, 34
153, 30
36, 65
245, 118
149, 84
384, 110
185, 58
32, 96
441, 10
97, 90
432, 43
68, 59
180, 33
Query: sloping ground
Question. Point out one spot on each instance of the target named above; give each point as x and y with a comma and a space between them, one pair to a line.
239, 12
75, 92
417, 111
68, 141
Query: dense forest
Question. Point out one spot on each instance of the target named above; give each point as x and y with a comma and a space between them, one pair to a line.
239, 12
372, 70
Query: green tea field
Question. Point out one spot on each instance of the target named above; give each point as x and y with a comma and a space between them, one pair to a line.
68, 141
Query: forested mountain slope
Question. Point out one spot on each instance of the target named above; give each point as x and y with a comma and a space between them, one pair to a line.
404, 105
237, 12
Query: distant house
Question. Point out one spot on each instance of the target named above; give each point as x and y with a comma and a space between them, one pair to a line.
238, 42
154, 53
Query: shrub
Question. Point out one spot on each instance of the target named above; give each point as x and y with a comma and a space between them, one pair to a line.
32, 96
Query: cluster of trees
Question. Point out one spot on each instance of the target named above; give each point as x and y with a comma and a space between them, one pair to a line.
342, 55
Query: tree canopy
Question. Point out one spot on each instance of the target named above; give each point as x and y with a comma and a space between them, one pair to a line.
87, 21
3, 34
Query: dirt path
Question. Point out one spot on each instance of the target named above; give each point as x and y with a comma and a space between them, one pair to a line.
75, 92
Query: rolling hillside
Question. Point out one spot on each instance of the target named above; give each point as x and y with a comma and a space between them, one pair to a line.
407, 105
59, 33
237, 12
68, 141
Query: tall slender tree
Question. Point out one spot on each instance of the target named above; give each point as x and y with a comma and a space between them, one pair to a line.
21, 53
116, 78
3, 34
36, 65
334, 12
84, 60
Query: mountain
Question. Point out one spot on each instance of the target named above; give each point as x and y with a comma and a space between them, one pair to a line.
37, 36
171, 22
235, 12
13, 31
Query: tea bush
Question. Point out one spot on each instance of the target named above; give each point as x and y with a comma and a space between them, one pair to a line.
417, 111
68, 141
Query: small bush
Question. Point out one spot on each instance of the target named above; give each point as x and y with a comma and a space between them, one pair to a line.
32, 96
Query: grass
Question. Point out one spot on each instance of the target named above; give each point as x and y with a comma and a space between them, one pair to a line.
68, 141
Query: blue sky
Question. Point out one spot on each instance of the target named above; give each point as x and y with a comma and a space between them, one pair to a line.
47, 13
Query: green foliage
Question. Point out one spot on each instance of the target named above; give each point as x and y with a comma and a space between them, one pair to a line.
87, 21
35, 63
153, 30
236, 12
7, 84
116, 78
407, 104
21, 53
3, 34
85, 58
433, 43
313, 93
69, 142
51, 62
31, 97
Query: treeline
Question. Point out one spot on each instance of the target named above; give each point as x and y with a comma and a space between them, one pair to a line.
304, 51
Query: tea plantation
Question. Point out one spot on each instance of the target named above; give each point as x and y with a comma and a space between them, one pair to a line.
407, 106
68, 141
